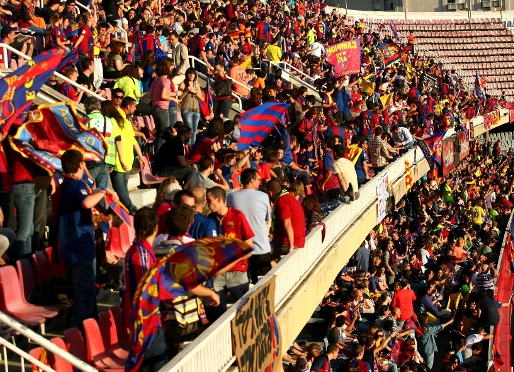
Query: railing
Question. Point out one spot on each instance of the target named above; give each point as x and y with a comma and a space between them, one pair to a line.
291, 67
82, 6
56, 74
234, 95
41, 341
213, 351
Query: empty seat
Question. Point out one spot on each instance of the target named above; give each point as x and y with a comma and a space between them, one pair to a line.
12, 299
96, 352
109, 332
123, 337
57, 269
58, 363
41, 267
75, 343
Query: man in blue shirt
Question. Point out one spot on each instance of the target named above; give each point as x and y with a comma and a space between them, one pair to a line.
202, 226
343, 100
76, 240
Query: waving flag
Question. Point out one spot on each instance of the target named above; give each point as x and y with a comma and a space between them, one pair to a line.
119, 209
479, 86
402, 352
432, 148
394, 31
258, 122
57, 129
206, 105
390, 53
19, 89
173, 276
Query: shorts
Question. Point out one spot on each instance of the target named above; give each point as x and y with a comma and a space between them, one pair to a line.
229, 280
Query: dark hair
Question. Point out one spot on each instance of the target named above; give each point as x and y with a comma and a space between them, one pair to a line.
339, 151
177, 199
162, 69
71, 160
311, 205
145, 222
117, 90
248, 175
179, 219
109, 109
127, 101
274, 186
217, 192
205, 162
183, 129
86, 63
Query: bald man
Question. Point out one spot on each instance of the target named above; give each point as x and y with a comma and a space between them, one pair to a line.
202, 227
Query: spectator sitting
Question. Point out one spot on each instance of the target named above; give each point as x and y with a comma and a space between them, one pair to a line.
200, 179
67, 89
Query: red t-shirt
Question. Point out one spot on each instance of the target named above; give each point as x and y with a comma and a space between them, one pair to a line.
263, 171
22, 169
235, 225
287, 206
205, 147
404, 299
84, 44
162, 211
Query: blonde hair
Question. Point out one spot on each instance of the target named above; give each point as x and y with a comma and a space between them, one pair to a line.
161, 193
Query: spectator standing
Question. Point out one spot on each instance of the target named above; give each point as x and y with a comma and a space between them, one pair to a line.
361, 256
488, 314
403, 137
189, 95
238, 74
427, 345
404, 298
288, 221
233, 224
139, 259
378, 153
256, 208
180, 56
75, 233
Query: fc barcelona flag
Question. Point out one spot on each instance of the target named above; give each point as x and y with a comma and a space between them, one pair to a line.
57, 128
390, 53
173, 276
19, 89
258, 122
432, 148
206, 105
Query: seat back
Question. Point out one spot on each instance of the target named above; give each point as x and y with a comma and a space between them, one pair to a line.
123, 336
147, 177
41, 266
108, 329
58, 363
35, 353
10, 289
57, 269
75, 343
26, 278
94, 342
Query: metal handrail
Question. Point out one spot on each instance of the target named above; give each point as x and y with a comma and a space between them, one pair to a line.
203, 63
60, 76
40, 340
234, 95
82, 6
277, 64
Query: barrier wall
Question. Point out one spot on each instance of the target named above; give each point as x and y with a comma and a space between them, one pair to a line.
304, 275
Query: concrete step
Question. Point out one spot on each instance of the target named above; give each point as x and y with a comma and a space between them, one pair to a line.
143, 197
133, 182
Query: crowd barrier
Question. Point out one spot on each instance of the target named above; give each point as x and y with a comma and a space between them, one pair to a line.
301, 278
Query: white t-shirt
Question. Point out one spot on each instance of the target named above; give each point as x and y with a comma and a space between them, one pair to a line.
317, 49
347, 170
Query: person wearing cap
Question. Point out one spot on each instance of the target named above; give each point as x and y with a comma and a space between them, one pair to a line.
99, 171
8, 35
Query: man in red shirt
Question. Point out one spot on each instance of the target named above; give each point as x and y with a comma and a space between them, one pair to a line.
404, 299
233, 224
288, 221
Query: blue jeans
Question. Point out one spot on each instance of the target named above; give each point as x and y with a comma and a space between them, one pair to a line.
119, 184
38, 30
191, 119
157, 354
100, 174
24, 201
173, 115
83, 276
223, 107
161, 118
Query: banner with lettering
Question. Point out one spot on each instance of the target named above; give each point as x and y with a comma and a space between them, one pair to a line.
256, 334
464, 146
382, 195
448, 156
491, 119
390, 53
345, 57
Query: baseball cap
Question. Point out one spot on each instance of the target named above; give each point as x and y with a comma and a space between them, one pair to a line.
6, 31
465, 288
171, 190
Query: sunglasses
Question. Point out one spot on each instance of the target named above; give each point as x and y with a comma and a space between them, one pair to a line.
118, 97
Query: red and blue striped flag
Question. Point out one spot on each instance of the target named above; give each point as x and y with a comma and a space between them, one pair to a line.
258, 122
432, 148
173, 276
206, 105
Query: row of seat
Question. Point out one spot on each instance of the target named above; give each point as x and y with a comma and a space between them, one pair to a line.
105, 344
447, 21
452, 27
493, 55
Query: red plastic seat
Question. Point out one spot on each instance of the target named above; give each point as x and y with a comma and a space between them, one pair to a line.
147, 177
57, 269
58, 363
41, 267
123, 336
12, 297
75, 343
110, 335
96, 353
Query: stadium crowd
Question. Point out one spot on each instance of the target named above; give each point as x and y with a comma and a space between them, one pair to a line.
138, 55
429, 267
